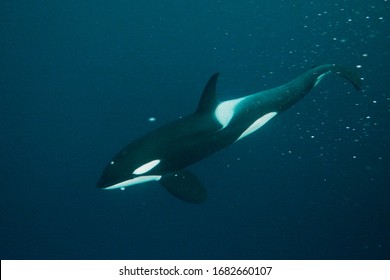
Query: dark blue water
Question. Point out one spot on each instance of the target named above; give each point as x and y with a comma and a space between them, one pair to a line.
79, 80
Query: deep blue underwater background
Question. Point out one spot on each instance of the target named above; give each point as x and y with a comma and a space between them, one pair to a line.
80, 79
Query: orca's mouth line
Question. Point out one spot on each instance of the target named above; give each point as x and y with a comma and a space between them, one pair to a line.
134, 181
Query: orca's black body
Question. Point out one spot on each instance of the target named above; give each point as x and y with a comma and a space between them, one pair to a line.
163, 154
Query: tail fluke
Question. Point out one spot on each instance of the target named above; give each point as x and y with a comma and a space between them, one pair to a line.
348, 73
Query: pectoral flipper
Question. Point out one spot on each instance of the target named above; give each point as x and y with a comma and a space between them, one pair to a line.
185, 186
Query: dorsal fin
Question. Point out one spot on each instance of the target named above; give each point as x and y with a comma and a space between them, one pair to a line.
208, 100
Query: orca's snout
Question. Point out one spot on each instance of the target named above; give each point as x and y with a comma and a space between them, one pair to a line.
100, 183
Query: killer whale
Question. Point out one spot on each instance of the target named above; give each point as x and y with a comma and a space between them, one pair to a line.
164, 154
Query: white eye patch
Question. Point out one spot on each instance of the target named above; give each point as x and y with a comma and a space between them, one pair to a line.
146, 167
